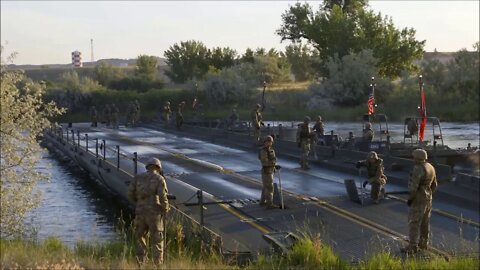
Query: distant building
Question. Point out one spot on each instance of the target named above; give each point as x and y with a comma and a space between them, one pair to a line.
77, 59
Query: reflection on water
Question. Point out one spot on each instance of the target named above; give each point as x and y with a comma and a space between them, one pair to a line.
73, 206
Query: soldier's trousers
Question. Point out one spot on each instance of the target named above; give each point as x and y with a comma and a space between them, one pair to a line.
256, 133
376, 191
267, 190
419, 223
154, 225
305, 144
167, 119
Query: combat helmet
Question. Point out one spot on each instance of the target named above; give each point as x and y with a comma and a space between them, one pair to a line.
268, 139
154, 161
372, 154
420, 154
368, 125
306, 119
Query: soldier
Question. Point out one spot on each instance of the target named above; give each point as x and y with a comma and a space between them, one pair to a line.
422, 184
318, 128
233, 118
375, 175
136, 117
179, 116
149, 193
93, 116
304, 135
130, 114
368, 132
114, 116
269, 160
257, 122
167, 112
106, 115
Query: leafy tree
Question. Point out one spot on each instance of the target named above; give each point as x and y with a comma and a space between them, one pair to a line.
301, 58
341, 30
24, 116
105, 73
187, 61
349, 80
221, 58
463, 77
247, 57
146, 67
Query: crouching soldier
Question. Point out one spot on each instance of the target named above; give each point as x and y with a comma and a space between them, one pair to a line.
375, 175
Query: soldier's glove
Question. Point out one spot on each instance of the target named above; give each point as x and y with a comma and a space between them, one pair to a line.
171, 197
409, 202
365, 184
358, 165
278, 167
262, 124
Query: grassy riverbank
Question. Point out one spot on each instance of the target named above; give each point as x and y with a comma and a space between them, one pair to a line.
306, 254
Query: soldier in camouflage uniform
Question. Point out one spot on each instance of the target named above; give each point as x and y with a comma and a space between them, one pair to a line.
304, 136
257, 122
269, 160
106, 115
368, 133
167, 112
422, 184
179, 116
149, 193
376, 178
94, 116
114, 116
130, 114
136, 117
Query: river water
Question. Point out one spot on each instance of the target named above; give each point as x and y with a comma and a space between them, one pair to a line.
75, 208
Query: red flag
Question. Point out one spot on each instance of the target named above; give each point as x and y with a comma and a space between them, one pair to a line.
371, 103
423, 113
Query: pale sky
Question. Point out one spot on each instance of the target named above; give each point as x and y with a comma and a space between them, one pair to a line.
46, 32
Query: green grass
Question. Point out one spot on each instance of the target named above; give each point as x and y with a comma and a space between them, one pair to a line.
307, 253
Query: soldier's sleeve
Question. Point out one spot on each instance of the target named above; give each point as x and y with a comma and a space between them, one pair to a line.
379, 171
162, 195
298, 134
274, 158
434, 184
417, 174
263, 157
132, 190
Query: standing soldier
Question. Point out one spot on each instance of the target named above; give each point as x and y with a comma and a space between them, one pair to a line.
149, 193
179, 116
114, 116
304, 135
167, 112
368, 133
136, 117
106, 115
422, 184
375, 175
233, 118
318, 128
130, 114
94, 116
257, 122
269, 160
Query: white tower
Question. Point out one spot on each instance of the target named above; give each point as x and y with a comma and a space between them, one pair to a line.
77, 59
91, 48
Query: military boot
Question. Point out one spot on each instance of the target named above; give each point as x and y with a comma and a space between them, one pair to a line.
410, 249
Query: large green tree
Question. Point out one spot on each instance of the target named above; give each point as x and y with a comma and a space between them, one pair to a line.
24, 116
339, 30
302, 58
221, 58
186, 61
146, 67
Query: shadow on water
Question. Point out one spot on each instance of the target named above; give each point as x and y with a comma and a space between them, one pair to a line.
74, 206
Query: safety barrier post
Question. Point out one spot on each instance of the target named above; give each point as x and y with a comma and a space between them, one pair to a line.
86, 142
200, 203
73, 137
104, 143
118, 156
332, 144
67, 135
78, 138
96, 147
135, 159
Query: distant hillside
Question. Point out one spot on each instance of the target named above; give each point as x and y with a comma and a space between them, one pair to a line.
116, 62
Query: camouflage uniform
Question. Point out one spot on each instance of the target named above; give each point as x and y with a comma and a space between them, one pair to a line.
179, 117
368, 133
114, 116
94, 116
304, 135
233, 118
257, 122
422, 184
268, 159
167, 112
149, 193
375, 174
106, 115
